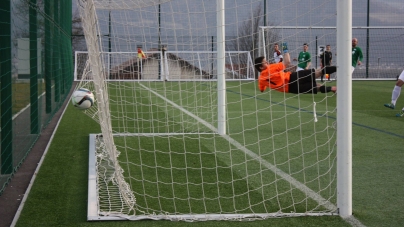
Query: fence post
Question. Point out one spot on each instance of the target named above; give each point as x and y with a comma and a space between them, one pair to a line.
33, 53
6, 89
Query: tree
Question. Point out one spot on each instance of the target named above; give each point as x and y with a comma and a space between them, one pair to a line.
78, 40
20, 12
248, 35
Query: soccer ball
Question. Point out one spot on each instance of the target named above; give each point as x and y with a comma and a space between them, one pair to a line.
83, 98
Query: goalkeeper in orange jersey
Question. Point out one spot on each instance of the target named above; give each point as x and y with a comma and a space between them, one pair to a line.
283, 77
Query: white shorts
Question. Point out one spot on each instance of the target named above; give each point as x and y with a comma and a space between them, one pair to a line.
401, 77
298, 69
352, 69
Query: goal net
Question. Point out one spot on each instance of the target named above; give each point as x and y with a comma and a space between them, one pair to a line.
380, 61
185, 132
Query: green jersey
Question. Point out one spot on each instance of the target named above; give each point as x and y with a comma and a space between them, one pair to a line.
356, 55
304, 57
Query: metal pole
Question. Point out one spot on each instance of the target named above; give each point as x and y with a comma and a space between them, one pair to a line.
265, 24
109, 44
221, 80
316, 52
160, 47
33, 46
344, 107
211, 71
265, 12
6, 165
48, 58
367, 43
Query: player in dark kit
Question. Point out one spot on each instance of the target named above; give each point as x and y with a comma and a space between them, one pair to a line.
326, 60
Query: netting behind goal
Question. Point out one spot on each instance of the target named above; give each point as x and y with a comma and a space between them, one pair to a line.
186, 134
381, 59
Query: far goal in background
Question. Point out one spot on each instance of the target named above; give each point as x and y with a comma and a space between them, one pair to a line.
169, 65
205, 144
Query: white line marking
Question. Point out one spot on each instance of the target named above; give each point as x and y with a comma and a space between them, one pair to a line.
286, 176
310, 193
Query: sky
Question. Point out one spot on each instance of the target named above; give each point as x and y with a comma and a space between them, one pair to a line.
395, 3
193, 22
384, 11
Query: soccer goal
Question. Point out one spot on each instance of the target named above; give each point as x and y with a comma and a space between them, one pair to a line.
168, 65
186, 135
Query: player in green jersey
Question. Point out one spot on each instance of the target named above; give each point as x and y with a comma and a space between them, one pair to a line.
304, 59
357, 55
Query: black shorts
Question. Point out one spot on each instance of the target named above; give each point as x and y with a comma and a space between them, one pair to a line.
303, 81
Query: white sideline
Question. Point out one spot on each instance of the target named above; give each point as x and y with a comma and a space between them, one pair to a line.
313, 195
26, 107
21, 206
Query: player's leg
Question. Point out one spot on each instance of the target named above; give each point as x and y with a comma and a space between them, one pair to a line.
310, 88
327, 75
396, 91
326, 89
293, 83
401, 113
307, 76
286, 60
307, 80
291, 68
304, 82
325, 70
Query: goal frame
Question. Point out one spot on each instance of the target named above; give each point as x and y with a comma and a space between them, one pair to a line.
93, 213
344, 116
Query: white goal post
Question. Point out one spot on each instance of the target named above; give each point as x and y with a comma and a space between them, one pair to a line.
185, 133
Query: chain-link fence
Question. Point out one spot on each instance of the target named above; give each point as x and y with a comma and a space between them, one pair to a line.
36, 74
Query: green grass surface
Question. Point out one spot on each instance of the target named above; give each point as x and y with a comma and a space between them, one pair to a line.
186, 165
21, 95
59, 195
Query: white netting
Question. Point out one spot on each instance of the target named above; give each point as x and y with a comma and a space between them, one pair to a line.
380, 61
125, 4
153, 67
